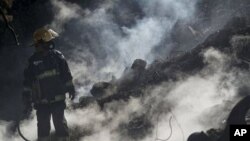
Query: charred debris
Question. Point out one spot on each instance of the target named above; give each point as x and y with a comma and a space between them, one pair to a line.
138, 77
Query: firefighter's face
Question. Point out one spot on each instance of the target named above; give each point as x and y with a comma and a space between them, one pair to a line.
44, 46
41, 46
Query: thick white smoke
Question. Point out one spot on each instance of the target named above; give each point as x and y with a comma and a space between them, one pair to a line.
110, 48
198, 94
193, 102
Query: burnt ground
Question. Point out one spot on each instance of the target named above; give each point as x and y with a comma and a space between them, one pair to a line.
188, 63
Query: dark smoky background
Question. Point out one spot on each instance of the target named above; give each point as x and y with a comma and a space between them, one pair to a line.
28, 16
100, 38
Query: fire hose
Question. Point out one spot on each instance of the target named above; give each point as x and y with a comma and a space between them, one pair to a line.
19, 129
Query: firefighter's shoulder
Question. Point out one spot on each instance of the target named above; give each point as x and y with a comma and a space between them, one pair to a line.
58, 53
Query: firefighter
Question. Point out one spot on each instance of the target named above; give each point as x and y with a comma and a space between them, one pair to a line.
46, 80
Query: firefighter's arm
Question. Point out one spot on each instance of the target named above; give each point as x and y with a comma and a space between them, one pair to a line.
67, 78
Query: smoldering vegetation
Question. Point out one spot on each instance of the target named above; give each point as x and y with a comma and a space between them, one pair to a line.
187, 77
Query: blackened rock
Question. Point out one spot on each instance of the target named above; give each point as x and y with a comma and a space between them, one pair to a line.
201, 136
85, 101
237, 116
139, 64
99, 89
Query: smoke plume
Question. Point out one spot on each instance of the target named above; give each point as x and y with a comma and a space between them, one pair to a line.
99, 43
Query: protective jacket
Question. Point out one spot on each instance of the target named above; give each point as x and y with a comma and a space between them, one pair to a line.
47, 78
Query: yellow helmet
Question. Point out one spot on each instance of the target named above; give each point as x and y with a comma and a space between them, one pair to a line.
44, 34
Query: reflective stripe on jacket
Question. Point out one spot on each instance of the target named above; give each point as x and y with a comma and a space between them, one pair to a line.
48, 76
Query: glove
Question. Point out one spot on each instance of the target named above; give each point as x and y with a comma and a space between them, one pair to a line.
72, 92
72, 95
